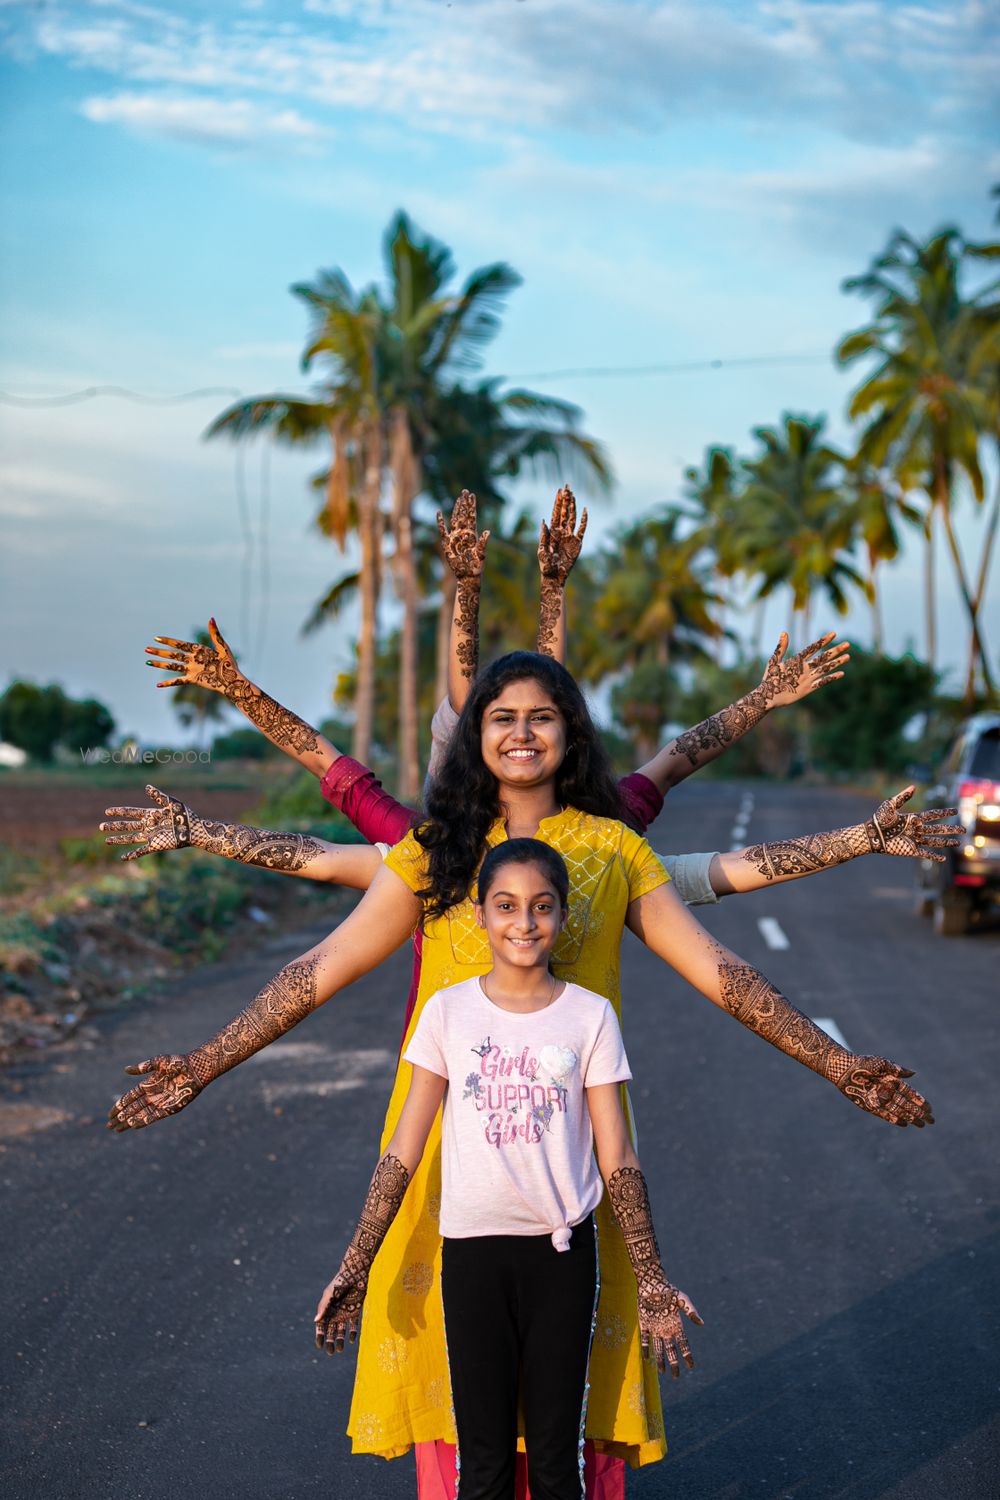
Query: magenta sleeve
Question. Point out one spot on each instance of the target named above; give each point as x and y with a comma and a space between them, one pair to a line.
641, 799
357, 792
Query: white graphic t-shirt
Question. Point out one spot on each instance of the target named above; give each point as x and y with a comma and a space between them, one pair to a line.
517, 1148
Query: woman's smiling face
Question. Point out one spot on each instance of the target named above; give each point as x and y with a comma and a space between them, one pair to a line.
523, 735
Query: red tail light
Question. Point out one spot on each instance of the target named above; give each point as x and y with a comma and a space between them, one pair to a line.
980, 790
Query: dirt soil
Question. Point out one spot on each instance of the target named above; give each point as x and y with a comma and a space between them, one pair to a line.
36, 817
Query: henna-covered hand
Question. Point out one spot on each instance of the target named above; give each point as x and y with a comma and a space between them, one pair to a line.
339, 1310
214, 667
920, 835
464, 549
172, 1082
338, 1315
560, 541
165, 826
875, 1084
661, 1331
790, 681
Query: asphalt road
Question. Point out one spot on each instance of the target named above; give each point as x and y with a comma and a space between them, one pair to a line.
160, 1287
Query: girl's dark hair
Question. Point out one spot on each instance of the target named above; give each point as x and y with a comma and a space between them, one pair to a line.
524, 852
463, 800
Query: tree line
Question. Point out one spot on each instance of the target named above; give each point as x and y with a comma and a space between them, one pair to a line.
406, 422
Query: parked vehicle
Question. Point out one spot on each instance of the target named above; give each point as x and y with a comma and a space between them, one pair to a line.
959, 891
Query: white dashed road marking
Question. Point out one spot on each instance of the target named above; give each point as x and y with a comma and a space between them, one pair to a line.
738, 831
770, 931
832, 1029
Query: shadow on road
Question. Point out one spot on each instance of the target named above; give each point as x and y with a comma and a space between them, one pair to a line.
850, 1409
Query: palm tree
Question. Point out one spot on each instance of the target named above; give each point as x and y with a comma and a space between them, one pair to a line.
347, 333
654, 600
927, 401
879, 502
797, 526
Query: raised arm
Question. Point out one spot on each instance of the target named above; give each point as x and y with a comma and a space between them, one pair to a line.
339, 1311
170, 824
214, 667
874, 1084
920, 835
464, 551
381, 923
661, 1332
783, 682
558, 549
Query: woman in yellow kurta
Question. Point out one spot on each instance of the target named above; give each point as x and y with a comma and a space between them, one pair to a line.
525, 761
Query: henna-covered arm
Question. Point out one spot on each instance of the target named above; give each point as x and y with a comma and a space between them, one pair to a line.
921, 835
170, 824
214, 667
784, 682
464, 551
382, 921
559, 547
664, 924
339, 1310
661, 1331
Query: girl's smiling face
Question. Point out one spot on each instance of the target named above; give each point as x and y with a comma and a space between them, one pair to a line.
522, 914
523, 735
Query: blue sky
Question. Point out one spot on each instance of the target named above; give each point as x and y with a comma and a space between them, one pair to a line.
675, 182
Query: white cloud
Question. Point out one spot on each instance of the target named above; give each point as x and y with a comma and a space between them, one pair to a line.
192, 117
871, 70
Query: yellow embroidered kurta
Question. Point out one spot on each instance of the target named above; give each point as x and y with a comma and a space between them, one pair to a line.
401, 1392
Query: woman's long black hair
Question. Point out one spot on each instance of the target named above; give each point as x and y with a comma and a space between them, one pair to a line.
463, 800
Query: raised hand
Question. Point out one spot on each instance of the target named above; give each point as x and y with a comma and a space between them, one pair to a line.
790, 681
213, 667
875, 1084
165, 826
171, 1085
560, 541
464, 549
339, 1312
661, 1331
920, 835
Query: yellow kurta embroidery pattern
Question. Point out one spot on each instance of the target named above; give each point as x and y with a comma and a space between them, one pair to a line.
401, 1388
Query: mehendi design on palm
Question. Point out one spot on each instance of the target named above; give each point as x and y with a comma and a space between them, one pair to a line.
783, 682
172, 825
887, 831
661, 1331
874, 1084
175, 1081
339, 1312
559, 545
214, 667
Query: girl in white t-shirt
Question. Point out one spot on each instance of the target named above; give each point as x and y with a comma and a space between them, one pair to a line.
530, 1071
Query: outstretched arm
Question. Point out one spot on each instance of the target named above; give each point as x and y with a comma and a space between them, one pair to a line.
558, 549
784, 682
170, 824
339, 1311
874, 1084
661, 1331
381, 923
464, 551
214, 667
888, 831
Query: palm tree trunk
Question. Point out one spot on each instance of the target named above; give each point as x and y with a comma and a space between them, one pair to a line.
985, 559
877, 637
929, 611
406, 486
370, 533
943, 497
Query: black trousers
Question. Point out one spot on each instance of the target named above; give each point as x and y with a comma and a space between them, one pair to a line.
518, 1318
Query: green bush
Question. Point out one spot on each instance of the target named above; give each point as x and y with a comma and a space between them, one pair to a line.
857, 725
298, 804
